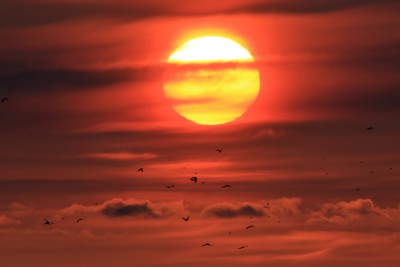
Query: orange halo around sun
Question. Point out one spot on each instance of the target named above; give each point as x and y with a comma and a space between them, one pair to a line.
211, 80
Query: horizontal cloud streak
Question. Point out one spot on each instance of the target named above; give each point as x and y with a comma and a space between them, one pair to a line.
119, 156
45, 79
25, 13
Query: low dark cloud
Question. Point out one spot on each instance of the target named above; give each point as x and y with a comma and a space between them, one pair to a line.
227, 210
140, 208
121, 209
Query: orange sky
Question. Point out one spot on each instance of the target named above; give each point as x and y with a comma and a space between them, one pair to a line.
86, 109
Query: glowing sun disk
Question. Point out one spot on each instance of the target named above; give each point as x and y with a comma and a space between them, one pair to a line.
206, 94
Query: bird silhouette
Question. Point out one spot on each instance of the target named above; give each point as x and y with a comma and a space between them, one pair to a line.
140, 170
79, 219
219, 150
206, 244
242, 247
47, 222
4, 100
226, 186
170, 186
250, 226
369, 128
186, 219
357, 189
194, 179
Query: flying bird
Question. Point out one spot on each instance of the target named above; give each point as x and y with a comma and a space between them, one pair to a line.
369, 128
170, 186
194, 179
140, 170
79, 219
47, 222
227, 185
250, 226
219, 150
4, 100
186, 219
242, 247
206, 244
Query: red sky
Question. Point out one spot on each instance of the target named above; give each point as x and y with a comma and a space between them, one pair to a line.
86, 109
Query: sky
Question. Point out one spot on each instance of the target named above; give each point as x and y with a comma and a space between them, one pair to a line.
86, 109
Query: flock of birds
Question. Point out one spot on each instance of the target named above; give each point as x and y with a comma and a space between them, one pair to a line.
186, 219
195, 180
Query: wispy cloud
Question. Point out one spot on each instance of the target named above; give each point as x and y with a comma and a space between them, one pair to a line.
359, 213
119, 156
19, 13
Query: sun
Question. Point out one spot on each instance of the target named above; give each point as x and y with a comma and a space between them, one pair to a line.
211, 80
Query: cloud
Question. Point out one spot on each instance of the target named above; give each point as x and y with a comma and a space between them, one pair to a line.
355, 213
6, 221
301, 7
280, 208
285, 207
14, 215
229, 210
18, 210
119, 156
118, 208
25, 13
76, 79
121, 209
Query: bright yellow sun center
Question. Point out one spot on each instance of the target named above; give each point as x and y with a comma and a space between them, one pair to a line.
211, 80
